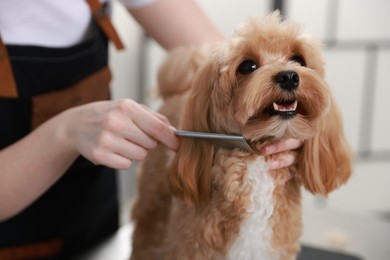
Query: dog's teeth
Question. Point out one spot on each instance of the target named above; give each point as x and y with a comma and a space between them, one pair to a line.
295, 105
283, 108
276, 107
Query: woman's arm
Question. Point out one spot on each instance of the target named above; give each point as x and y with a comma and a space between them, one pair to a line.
173, 23
30, 166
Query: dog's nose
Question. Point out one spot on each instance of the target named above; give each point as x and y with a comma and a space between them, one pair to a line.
287, 80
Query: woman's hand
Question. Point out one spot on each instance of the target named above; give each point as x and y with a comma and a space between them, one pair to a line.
285, 153
116, 133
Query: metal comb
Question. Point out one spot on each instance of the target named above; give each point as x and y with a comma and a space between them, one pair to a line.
221, 140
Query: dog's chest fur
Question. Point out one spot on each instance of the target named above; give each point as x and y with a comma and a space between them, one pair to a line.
254, 240
250, 215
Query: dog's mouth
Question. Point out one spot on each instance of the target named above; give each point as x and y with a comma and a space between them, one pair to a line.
285, 109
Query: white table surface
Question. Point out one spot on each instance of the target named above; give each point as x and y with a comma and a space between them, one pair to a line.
363, 235
358, 234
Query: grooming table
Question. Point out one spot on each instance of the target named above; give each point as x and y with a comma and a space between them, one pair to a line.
328, 235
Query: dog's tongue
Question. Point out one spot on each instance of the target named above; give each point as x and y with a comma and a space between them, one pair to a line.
286, 106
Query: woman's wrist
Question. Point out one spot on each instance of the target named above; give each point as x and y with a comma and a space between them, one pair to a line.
58, 131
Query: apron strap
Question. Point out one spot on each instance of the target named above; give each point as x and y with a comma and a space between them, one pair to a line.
99, 13
7, 81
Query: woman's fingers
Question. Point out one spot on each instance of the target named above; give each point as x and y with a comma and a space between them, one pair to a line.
282, 146
124, 148
133, 134
283, 153
116, 161
157, 127
283, 159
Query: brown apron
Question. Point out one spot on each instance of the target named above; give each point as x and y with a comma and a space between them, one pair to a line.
49, 104
82, 208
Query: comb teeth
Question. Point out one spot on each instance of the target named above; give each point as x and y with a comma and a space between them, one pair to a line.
229, 142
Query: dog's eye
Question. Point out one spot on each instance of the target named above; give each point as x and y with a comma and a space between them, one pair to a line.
247, 67
298, 59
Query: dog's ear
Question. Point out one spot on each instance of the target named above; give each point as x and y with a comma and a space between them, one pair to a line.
190, 173
325, 161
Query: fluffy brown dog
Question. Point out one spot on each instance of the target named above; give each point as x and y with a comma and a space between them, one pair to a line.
204, 202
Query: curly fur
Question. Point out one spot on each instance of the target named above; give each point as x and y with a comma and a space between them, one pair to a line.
204, 202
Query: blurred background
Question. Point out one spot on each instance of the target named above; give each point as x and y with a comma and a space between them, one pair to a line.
356, 39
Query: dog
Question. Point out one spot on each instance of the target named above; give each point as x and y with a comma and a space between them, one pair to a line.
266, 83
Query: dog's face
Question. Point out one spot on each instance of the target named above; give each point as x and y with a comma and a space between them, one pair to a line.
267, 82
270, 82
